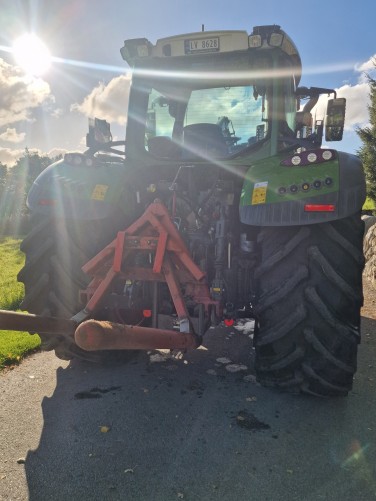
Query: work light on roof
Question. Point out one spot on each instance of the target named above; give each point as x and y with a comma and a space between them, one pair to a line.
254, 41
270, 35
135, 48
276, 39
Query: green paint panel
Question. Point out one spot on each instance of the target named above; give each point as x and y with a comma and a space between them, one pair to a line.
103, 182
268, 182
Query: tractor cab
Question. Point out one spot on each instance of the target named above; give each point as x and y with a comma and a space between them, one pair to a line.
188, 89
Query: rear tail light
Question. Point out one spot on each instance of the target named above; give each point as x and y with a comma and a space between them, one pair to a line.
229, 322
319, 208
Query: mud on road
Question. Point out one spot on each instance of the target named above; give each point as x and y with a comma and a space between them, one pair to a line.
158, 428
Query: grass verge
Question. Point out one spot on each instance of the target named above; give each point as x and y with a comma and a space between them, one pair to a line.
13, 345
369, 205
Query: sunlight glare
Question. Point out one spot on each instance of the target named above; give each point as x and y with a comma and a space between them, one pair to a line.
31, 54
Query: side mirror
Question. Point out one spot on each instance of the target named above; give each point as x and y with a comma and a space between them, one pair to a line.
335, 119
99, 133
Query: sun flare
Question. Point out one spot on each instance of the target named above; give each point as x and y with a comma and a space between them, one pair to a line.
31, 54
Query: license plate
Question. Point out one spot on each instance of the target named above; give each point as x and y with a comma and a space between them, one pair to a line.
199, 45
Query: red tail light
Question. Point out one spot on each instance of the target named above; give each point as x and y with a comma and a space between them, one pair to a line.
229, 322
319, 208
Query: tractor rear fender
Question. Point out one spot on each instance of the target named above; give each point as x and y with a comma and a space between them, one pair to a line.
312, 186
81, 187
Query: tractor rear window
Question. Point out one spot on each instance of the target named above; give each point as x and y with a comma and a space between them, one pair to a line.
205, 123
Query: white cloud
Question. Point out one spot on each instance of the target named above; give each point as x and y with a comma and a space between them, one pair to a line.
54, 152
12, 136
108, 102
19, 94
9, 156
357, 101
367, 66
357, 98
57, 113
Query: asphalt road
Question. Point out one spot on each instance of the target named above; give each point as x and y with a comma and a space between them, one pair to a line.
183, 429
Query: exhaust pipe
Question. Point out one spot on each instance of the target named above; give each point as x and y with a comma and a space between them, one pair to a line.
93, 335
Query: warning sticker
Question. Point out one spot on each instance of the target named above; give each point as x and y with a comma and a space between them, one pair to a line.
99, 192
259, 193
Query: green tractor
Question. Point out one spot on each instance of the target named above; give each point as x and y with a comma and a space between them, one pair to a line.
220, 204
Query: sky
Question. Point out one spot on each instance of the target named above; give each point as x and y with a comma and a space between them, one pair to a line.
87, 77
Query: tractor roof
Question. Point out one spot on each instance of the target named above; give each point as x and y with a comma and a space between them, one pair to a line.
212, 42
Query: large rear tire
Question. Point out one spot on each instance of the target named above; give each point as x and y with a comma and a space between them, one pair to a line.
55, 251
308, 306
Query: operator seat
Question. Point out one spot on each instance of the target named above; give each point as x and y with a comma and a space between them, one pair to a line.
204, 140
163, 147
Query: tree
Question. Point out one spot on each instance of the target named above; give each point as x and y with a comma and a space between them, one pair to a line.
15, 183
3, 176
367, 151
